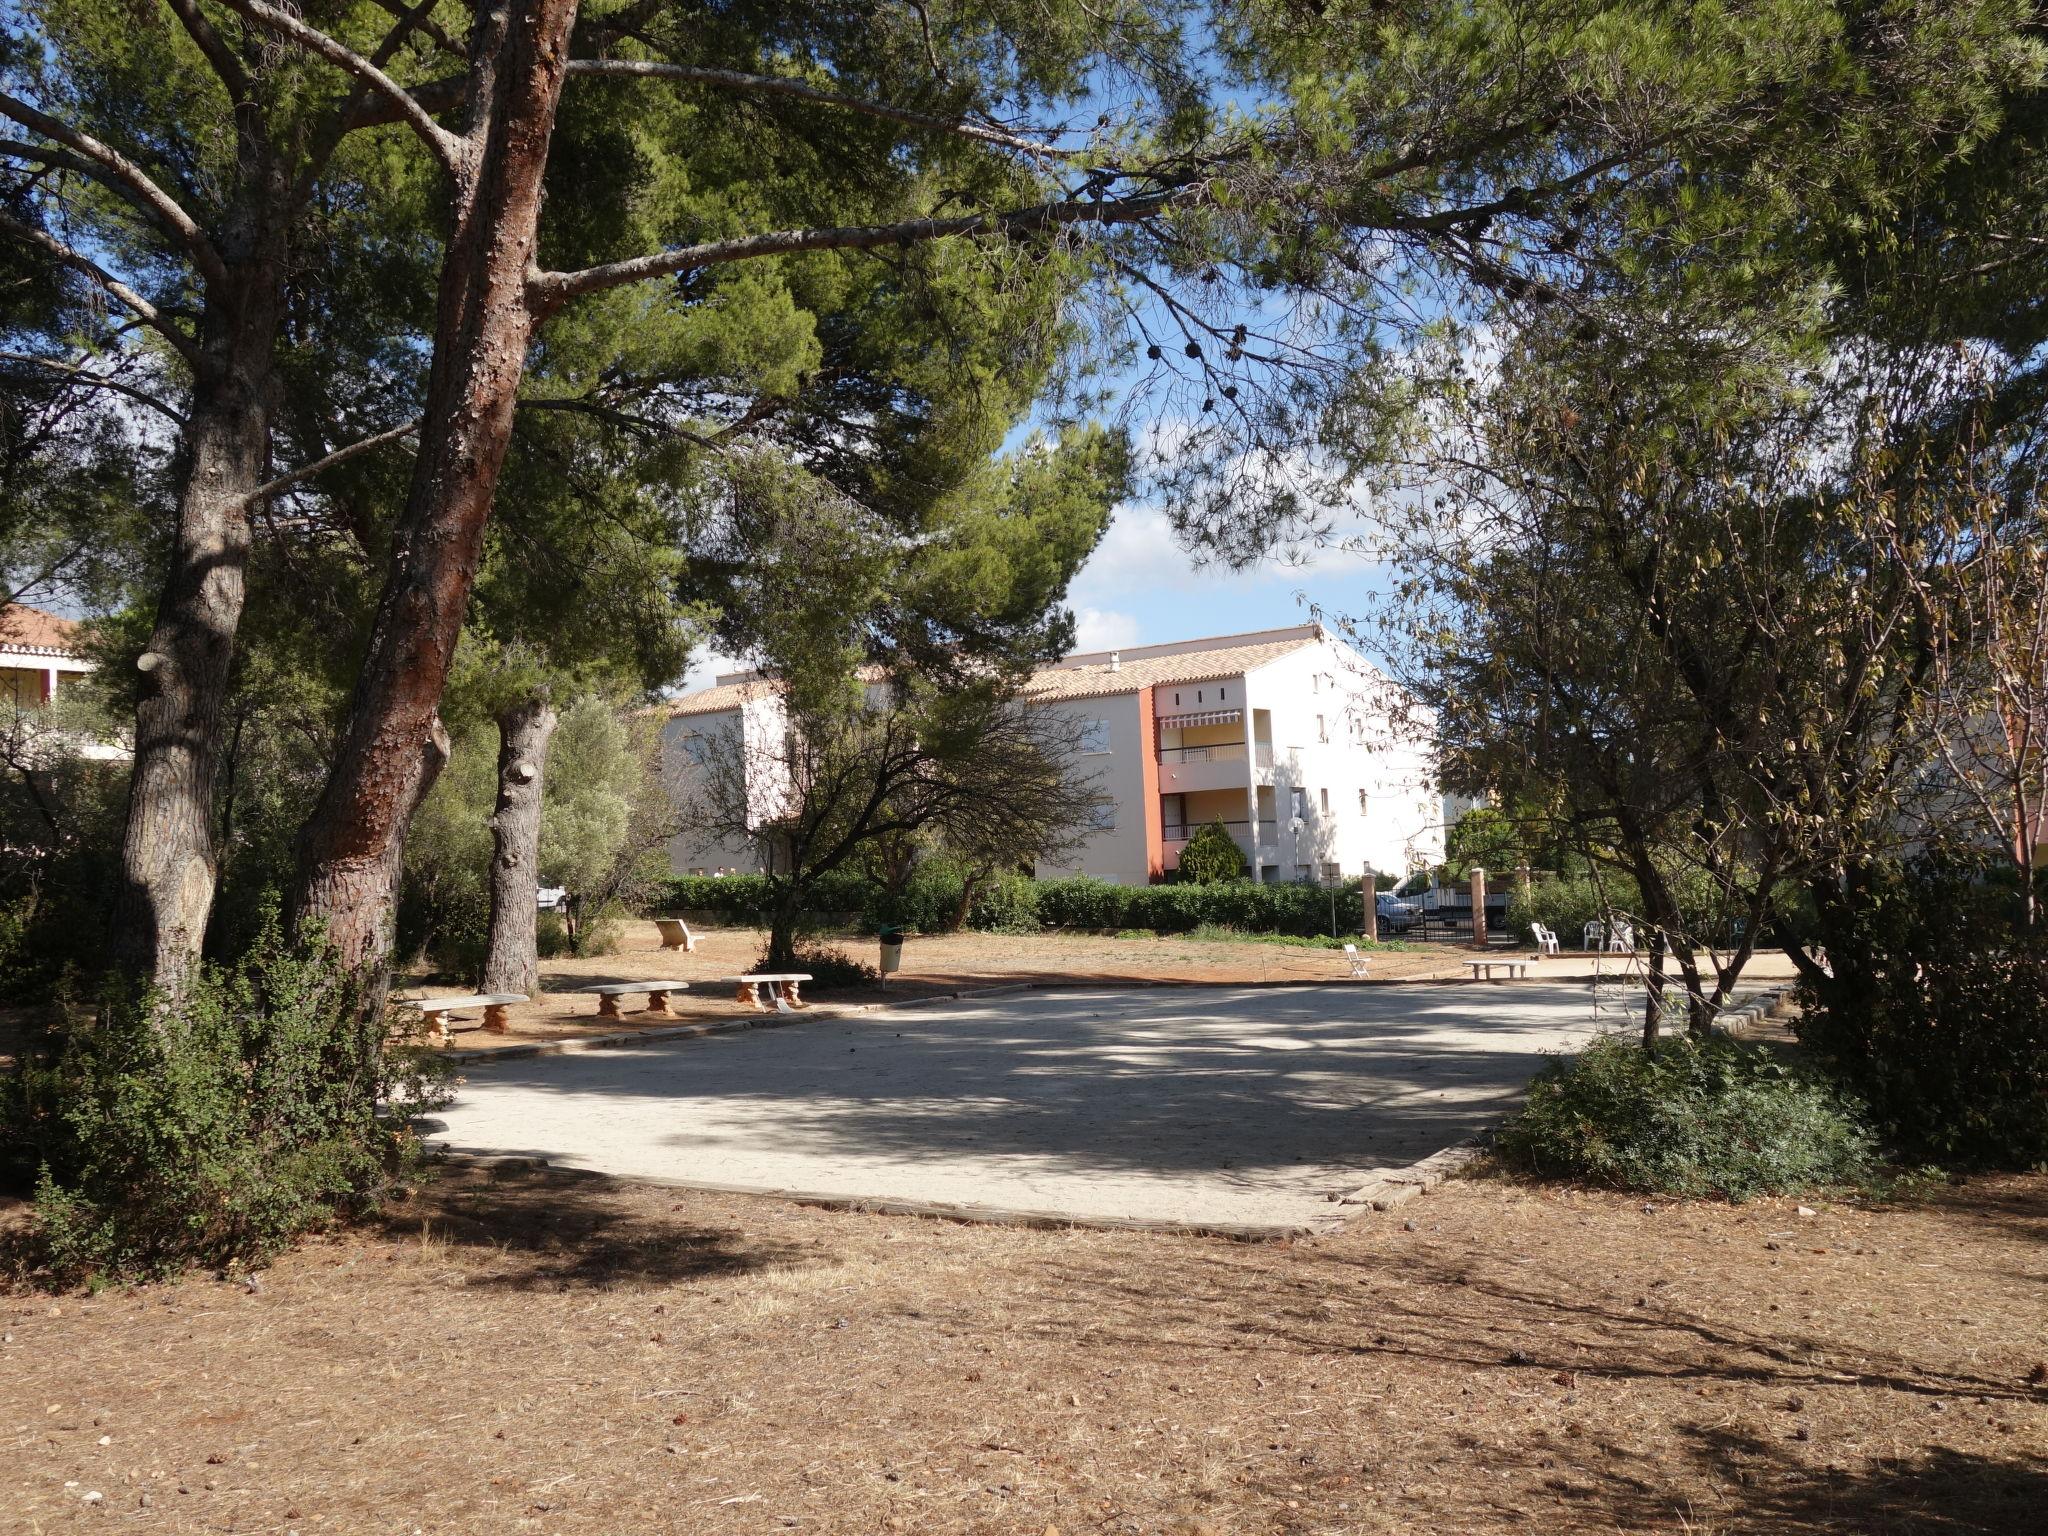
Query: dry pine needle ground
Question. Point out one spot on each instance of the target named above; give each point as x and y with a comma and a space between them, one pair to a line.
518, 1351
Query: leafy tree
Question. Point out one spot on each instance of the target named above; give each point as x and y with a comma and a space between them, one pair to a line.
967, 761
1211, 855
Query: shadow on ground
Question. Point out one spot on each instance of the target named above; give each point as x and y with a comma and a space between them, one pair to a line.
549, 1229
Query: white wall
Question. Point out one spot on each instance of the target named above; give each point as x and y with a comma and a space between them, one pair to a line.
1359, 746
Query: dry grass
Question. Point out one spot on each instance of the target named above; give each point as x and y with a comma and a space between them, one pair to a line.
526, 1352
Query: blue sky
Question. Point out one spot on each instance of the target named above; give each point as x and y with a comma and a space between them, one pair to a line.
1139, 588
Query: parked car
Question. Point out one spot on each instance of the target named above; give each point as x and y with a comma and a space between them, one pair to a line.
1396, 915
551, 897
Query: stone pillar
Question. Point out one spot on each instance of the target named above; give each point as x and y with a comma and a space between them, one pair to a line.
1369, 924
1478, 907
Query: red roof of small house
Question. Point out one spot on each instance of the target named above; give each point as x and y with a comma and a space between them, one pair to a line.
31, 630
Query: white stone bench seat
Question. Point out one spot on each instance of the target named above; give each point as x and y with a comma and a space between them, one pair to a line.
493, 1004
608, 994
1485, 968
758, 989
675, 934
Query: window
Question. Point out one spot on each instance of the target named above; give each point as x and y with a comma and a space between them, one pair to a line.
1102, 816
1322, 729
1300, 803
1303, 873
1361, 802
1094, 735
1325, 794
1222, 695
695, 748
1315, 682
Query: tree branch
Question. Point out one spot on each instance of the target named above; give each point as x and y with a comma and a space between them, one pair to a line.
148, 312
547, 290
115, 169
79, 374
771, 85
446, 146
218, 54
340, 455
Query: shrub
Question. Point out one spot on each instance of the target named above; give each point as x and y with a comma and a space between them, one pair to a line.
551, 936
829, 968
1687, 1117
1566, 903
1080, 901
1210, 855
1007, 904
1938, 1014
216, 1131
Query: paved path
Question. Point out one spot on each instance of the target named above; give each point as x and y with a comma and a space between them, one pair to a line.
1227, 1106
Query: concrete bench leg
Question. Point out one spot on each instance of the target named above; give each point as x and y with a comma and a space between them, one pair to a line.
608, 1006
495, 1019
437, 1029
750, 993
657, 1004
786, 1000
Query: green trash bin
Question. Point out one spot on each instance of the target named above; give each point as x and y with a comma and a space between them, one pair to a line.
892, 948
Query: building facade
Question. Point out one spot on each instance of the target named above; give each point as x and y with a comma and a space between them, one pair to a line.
1311, 759
38, 651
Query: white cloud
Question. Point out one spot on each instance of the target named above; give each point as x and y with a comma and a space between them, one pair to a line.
1099, 629
705, 667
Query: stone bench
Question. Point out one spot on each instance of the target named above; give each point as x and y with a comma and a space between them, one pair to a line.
675, 934
437, 1010
608, 995
1485, 968
757, 990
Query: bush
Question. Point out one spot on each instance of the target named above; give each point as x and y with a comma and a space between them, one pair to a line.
216, 1131
829, 969
1687, 1117
1938, 1014
1080, 901
551, 937
1007, 904
1566, 903
1211, 854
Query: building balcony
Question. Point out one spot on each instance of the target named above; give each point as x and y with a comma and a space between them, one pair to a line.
1177, 835
1190, 770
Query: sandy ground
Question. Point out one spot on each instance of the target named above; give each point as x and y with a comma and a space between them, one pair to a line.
558, 1356
941, 966
1217, 1108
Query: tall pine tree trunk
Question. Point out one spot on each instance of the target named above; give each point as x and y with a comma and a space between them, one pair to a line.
394, 745
524, 731
169, 862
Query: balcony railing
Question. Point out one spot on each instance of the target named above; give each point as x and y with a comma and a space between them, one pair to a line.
1213, 752
1263, 756
1181, 831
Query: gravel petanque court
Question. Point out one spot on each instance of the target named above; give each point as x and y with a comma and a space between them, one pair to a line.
1212, 1107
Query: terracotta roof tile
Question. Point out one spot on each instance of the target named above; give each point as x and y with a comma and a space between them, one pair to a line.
1099, 680
23, 628
1090, 680
723, 696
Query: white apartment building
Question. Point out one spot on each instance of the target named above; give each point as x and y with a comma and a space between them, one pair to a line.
1286, 736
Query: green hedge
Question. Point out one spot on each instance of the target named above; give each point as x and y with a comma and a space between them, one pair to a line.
1016, 902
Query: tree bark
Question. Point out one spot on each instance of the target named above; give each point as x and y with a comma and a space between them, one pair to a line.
394, 745
169, 861
524, 731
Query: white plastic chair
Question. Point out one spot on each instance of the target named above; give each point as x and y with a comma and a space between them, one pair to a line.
1358, 961
1546, 939
1621, 939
